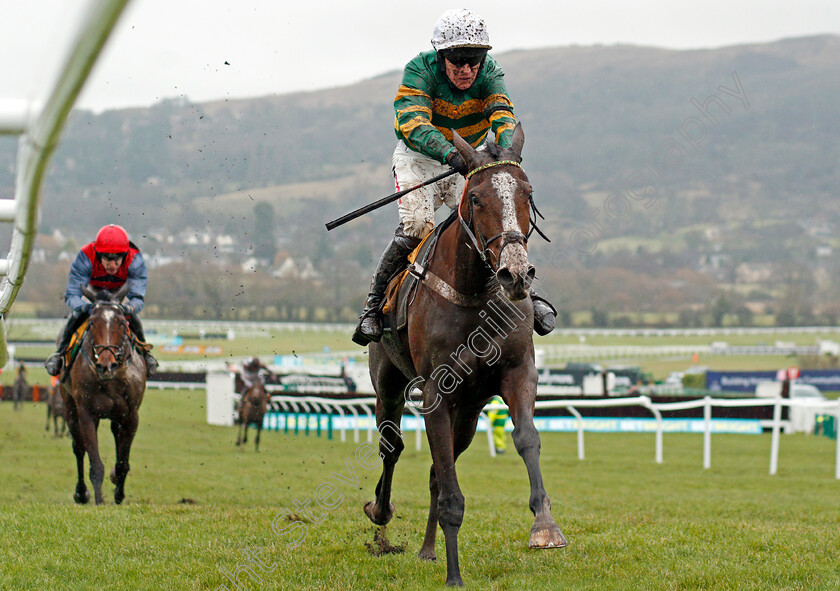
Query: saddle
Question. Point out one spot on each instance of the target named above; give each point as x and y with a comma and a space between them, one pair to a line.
72, 350
400, 293
402, 287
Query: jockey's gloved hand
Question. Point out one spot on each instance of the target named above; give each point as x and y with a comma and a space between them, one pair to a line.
456, 161
128, 309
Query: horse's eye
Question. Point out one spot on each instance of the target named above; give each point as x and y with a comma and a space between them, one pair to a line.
474, 200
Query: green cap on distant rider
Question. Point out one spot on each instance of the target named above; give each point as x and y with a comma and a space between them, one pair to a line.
455, 86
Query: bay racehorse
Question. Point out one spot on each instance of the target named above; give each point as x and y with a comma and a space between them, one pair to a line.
106, 381
251, 411
55, 409
468, 337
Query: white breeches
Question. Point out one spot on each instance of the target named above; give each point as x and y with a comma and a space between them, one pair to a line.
417, 209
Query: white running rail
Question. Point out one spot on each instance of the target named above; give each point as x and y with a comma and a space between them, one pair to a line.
39, 129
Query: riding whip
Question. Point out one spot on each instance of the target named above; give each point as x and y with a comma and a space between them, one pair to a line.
385, 201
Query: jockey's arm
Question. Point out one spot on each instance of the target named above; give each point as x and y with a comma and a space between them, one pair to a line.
80, 273
137, 284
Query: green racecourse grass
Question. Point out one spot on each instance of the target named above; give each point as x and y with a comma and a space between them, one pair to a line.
195, 501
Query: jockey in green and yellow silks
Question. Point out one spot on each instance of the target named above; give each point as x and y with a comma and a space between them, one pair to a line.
498, 417
456, 86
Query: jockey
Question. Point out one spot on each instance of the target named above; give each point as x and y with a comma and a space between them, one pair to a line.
251, 371
497, 418
457, 85
108, 263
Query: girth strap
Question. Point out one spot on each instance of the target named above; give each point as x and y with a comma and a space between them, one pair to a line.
449, 293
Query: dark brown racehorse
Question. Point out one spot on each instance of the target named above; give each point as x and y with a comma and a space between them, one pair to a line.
55, 409
251, 412
106, 381
468, 338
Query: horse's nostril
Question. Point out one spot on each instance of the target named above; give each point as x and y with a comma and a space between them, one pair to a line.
529, 275
504, 276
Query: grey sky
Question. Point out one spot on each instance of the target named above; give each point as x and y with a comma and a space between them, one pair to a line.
170, 48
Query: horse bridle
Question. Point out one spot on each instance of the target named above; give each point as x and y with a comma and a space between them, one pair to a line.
482, 244
118, 350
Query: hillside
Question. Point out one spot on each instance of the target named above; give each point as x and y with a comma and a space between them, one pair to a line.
699, 172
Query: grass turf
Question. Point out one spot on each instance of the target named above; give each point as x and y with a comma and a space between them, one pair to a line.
196, 505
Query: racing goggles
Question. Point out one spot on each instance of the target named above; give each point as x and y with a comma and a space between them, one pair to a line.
465, 56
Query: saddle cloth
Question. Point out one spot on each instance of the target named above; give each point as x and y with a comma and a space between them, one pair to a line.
397, 293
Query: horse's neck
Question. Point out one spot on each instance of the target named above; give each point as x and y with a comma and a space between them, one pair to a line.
458, 264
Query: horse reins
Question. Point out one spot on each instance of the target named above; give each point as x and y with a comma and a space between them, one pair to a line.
508, 236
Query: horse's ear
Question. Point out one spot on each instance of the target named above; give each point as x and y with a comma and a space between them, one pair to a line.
121, 293
517, 141
467, 152
89, 292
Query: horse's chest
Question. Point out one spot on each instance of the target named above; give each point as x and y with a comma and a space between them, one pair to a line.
106, 403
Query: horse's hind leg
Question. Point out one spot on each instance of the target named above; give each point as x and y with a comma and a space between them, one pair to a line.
520, 395
388, 417
123, 438
390, 399
81, 495
257, 440
427, 550
47, 428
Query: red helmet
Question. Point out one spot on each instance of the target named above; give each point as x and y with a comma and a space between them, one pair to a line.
111, 239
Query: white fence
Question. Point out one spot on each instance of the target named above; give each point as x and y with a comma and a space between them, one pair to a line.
357, 414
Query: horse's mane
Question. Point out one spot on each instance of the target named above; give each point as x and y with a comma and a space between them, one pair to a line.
499, 153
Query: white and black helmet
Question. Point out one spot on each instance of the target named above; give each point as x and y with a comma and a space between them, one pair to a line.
460, 27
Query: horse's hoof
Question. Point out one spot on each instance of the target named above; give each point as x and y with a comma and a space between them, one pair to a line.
370, 511
113, 477
455, 582
547, 537
82, 497
427, 555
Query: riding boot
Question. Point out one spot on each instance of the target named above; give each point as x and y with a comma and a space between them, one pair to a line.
55, 361
544, 314
137, 328
393, 260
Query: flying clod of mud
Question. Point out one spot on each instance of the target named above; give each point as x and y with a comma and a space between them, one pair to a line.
381, 546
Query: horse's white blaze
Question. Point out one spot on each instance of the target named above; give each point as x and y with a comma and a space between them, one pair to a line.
514, 257
505, 186
108, 316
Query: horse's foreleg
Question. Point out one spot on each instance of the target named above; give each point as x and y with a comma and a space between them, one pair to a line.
88, 425
545, 532
257, 439
81, 495
450, 501
388, 417
47, 428
462, 437
123, 438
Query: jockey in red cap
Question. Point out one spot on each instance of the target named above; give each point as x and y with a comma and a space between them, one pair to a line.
108, 262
